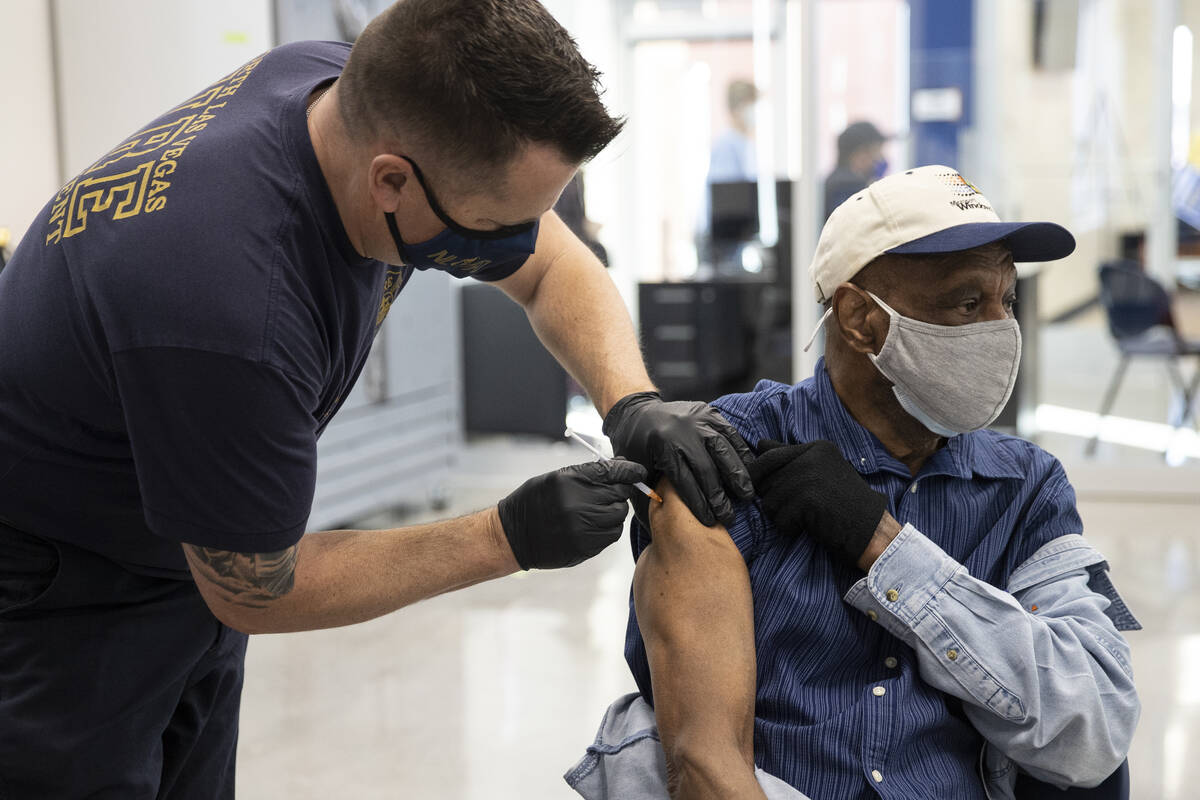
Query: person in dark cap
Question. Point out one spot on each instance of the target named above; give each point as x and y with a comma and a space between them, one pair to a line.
860, 163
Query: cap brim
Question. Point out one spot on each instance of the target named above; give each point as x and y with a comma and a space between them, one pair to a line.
1028, 241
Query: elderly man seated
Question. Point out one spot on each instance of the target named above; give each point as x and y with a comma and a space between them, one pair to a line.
909, 609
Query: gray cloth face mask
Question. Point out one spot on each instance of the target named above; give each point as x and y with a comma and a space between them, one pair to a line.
951, 378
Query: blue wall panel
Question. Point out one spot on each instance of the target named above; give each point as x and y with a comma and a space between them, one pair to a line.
941, 40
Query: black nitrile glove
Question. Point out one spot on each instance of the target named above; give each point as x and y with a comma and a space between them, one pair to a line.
567, 516
811, 488
691, 443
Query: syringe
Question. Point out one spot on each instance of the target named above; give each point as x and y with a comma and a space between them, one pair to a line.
643, 488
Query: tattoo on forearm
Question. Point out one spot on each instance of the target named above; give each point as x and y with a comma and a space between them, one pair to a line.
248, 579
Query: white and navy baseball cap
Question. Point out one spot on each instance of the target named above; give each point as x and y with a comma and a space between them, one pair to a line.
929, 209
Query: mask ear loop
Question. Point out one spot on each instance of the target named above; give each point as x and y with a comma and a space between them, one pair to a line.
503, 232
890, 312
817, 330
396, 238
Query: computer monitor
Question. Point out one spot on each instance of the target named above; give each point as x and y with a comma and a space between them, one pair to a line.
733, 221
733, 211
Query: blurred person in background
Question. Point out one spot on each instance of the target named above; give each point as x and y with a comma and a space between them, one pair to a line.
732, 157
860, 161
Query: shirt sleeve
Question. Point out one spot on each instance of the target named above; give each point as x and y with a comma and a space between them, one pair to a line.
1043, 673
224, 447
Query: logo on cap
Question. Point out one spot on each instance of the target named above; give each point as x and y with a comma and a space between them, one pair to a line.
958, 184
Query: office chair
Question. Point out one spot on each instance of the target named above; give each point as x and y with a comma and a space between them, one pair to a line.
1141, 323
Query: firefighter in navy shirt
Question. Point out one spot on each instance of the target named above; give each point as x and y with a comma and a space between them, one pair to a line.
184, 317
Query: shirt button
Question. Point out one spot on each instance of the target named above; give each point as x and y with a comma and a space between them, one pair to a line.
951, 654
879, 691
913, 488
892, 595
872, 615
862, 462
890, 662
877, 775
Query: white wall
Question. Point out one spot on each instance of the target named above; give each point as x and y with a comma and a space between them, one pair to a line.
28, 150
120, 63
124, 62
595, 25
1068, 159
1037, 131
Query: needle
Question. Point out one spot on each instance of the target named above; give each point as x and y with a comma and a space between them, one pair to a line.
643, 488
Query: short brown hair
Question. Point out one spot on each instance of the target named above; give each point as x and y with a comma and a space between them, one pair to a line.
473, 81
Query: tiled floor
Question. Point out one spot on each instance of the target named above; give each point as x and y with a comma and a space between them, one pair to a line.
491, 692
494, 691
1155, 553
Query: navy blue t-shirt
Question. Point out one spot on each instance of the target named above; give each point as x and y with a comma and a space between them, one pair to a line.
180, 323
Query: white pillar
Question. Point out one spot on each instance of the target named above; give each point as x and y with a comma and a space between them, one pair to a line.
985, 159
1162, 232
764, 62
802, 38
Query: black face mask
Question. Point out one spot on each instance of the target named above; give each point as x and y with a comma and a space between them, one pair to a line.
459, 250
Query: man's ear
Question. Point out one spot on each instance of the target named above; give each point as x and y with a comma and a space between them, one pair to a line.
390, 179
861, 324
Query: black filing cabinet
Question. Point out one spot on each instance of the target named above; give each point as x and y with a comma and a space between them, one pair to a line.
699, 337
511, 383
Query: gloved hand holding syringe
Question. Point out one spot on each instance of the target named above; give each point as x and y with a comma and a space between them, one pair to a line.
641, 487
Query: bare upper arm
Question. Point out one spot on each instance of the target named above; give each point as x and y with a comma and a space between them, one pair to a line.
694, 608
674, 526
686, 571
233, 584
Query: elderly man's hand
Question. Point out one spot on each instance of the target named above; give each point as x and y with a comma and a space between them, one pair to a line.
690, 443
810, 488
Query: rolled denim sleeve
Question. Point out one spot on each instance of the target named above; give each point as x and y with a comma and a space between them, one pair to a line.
1043, 673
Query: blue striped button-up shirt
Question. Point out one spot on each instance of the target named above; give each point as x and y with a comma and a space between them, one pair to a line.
847, 705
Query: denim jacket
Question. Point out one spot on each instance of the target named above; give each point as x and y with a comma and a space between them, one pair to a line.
1028, 663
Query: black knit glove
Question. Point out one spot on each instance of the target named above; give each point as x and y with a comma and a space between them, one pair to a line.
691, 443
567, 516
810, 488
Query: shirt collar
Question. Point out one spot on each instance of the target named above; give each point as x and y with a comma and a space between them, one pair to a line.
963, 456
